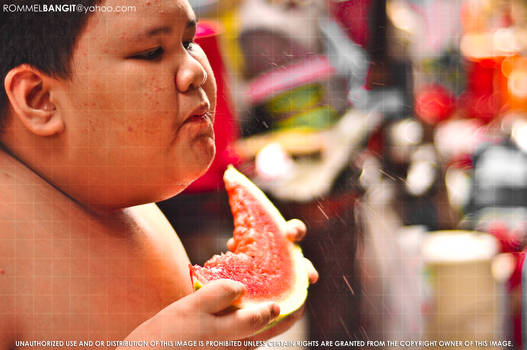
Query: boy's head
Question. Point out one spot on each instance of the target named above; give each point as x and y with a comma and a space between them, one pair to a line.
23, 39
114, 105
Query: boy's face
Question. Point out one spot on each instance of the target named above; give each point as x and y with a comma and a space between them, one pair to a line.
139, 107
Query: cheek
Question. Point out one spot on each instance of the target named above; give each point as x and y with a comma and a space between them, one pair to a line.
124, 110
149, 112
157, 92
138, 94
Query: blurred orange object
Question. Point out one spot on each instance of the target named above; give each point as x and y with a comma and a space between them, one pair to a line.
515, 70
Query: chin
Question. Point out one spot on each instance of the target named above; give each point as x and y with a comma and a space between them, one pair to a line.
180, 183
203, 164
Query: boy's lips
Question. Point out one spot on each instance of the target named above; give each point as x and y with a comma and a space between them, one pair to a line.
197, 118
201, 113
200, 120
202, 109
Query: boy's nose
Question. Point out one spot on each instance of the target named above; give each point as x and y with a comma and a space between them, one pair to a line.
190, 75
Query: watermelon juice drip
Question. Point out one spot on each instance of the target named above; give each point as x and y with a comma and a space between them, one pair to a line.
260, 259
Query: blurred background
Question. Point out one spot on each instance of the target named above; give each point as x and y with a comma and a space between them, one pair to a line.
397, 131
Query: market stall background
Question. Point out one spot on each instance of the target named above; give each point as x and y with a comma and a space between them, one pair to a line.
378, 123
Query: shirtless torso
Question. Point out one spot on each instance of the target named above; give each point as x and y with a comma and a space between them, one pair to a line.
69, 274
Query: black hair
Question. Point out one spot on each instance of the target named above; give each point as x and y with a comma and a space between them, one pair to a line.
41, 34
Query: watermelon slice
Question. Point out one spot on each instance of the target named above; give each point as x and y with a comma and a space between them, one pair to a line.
263, 259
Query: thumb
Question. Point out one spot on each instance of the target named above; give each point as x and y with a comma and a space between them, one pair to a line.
216, 296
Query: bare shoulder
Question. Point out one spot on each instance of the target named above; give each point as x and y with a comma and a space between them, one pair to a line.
12, 197
158, 233
151, 215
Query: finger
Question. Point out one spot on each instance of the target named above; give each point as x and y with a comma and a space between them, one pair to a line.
281, 326
247, 321
216, 296
230, 244
312, 273
296, 230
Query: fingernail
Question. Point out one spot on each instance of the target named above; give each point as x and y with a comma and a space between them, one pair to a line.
275, 310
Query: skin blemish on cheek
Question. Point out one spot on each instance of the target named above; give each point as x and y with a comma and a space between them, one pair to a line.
130, 129
2, 272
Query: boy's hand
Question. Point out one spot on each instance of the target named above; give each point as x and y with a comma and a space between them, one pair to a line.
202, 316
296, 231
205, 315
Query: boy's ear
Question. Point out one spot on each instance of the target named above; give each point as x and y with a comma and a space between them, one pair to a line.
28, 92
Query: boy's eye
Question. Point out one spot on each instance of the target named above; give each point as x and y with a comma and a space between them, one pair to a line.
188, 44
149, 55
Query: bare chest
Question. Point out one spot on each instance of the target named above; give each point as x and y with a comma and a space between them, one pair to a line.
79, 278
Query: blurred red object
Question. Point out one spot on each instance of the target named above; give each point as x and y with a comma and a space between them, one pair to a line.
511, 242
486, 84
515, 288
225, 127
511, 239
353, 15
434, 103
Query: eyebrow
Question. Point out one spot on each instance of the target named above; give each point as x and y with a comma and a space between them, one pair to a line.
192, 23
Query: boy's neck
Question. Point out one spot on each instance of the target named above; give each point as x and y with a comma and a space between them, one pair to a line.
9, 161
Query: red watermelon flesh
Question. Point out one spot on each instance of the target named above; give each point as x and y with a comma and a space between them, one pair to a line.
263, 259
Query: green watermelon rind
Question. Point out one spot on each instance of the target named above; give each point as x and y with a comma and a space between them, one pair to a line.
296, 298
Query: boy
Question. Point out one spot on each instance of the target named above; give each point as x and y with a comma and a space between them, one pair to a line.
101, 114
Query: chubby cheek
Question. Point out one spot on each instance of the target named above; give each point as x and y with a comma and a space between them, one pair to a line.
121, 129
141, 108
150, 113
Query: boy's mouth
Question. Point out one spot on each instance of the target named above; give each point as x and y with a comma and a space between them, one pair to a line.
201, 114
200, 117
203, 120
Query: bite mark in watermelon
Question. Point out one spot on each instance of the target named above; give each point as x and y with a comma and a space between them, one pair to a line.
270, 266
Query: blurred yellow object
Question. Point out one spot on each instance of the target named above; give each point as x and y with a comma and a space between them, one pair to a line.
232, 52
294, 142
